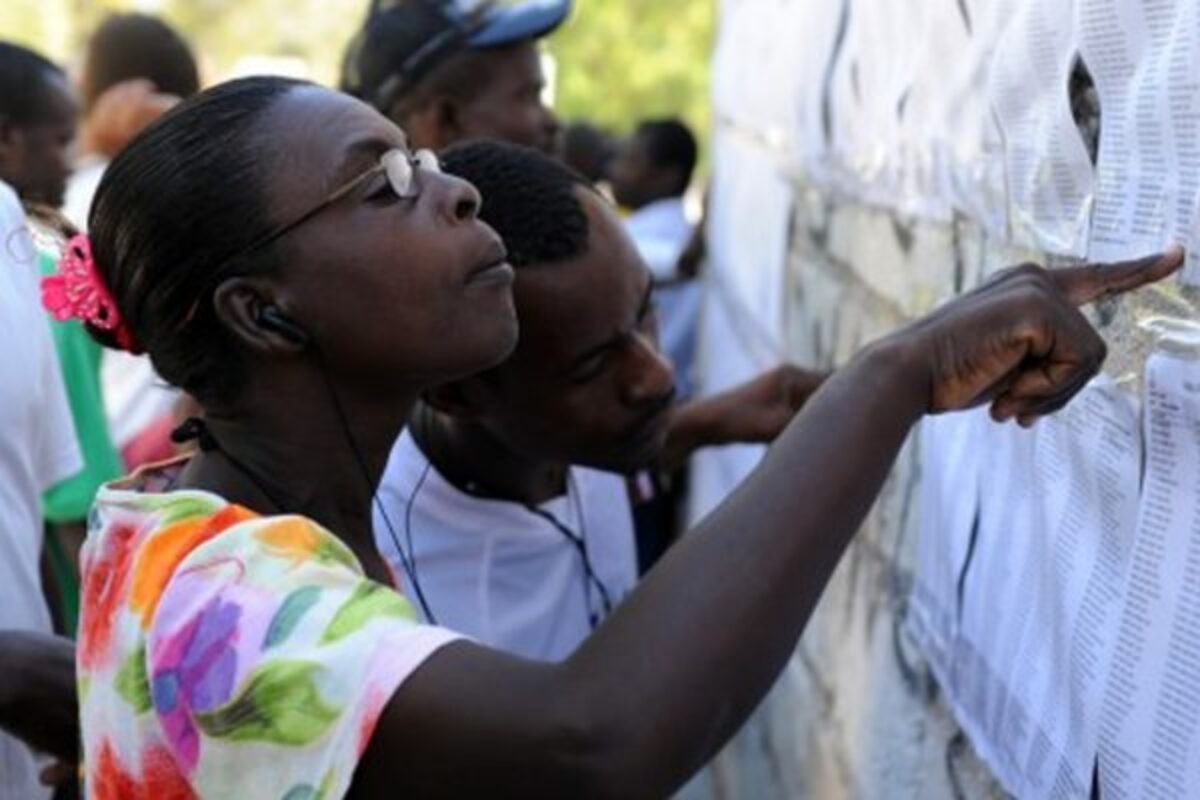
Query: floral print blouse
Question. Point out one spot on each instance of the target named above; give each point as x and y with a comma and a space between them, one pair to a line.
223, 654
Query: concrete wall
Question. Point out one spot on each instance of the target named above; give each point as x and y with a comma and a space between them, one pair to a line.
857, 714
804, 265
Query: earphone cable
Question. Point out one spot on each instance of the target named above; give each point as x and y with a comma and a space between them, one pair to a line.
361, 462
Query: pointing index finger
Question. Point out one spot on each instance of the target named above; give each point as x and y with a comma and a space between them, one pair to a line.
1090, 282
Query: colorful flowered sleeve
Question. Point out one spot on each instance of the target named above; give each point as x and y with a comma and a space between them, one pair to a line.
270, 657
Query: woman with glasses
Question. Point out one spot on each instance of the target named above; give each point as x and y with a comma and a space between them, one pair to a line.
283, 258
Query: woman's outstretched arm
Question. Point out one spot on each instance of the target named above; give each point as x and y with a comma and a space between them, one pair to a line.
677, 669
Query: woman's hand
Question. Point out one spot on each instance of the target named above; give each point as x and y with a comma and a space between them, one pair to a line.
1019, 342
755, 412
676, 669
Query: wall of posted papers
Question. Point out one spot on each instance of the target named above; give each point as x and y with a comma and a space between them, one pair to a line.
1021, 612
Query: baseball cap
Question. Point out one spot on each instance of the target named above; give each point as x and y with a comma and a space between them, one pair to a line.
403, 40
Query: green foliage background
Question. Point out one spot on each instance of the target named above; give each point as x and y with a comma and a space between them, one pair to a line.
625, 60
618, 60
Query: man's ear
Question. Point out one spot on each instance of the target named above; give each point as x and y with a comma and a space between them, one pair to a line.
462, 400
448, 119
241, 305
435, 125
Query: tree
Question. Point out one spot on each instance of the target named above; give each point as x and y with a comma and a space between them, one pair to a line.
620, 62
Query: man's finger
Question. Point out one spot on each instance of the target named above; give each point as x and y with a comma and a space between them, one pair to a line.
1091, 282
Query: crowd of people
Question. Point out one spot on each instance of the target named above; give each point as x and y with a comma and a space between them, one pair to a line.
399, 376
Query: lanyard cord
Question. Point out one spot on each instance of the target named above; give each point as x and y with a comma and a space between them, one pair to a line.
579, 540
590, 578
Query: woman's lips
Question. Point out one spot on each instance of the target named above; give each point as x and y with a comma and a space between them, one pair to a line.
500, 272
493, 268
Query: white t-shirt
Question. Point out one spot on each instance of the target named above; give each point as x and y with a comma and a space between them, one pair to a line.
499, 571
81, 188
661, 231
38, 448
134, 396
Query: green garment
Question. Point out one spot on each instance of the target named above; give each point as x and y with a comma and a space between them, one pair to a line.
79, 359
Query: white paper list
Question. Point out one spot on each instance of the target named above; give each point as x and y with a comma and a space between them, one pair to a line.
1041, 598
875, 68
995, 587
1089, 459
951, 454
1048, 170
1145, 58
1150, 746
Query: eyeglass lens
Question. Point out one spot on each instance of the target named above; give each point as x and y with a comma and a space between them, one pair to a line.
401, 169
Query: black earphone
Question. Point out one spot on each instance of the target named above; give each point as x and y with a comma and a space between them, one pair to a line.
272, 319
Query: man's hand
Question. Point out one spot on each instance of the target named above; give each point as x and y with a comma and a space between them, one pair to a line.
1019, 342
38, 704
753, 413
59, 775
758, 411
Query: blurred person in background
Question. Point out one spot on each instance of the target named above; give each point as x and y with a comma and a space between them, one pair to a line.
37, 439
649, 177
444, 73
136, 68
37, 128
588, 150
38, 114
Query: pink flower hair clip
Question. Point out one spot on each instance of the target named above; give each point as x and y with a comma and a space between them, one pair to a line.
78, 292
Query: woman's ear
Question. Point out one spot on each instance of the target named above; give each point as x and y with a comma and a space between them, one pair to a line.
248, 310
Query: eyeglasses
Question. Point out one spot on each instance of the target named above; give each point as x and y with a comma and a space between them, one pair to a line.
402, 170
399, 166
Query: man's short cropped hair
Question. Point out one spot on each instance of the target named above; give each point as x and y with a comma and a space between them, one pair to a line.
529, 199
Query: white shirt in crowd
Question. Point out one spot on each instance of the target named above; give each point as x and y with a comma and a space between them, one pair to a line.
501, 572
38, 448
661, 231
81, 188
